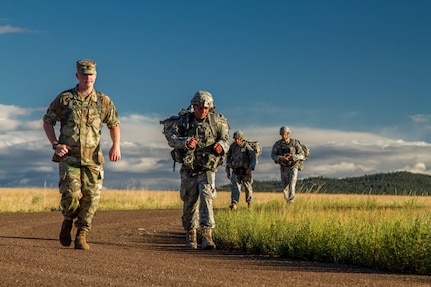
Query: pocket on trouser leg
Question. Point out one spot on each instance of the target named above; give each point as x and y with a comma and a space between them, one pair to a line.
70, 189
210, 186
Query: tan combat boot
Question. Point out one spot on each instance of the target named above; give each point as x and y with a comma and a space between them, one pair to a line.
81, 240
233, 206
65, 236
191, 239
207, 239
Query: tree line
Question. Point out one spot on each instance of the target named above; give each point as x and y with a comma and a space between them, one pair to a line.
393, 183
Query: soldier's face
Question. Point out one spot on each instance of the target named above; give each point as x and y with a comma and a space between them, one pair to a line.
285, 137
200, 112
86, 80
238, 142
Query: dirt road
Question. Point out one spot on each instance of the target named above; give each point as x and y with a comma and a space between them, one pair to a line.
146, 248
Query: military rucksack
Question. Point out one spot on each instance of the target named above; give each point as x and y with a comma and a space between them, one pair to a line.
176, 154
256, 146
169, 122
306, 150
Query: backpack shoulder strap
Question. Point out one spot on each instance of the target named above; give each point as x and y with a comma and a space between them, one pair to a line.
99, 104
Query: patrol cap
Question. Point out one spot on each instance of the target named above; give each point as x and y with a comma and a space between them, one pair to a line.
238, 135
203, 98
86, 67
284, 130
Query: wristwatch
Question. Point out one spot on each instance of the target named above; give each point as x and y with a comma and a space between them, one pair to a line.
54, 146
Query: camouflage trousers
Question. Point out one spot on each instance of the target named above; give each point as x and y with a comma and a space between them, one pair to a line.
80, 189
289, 176
236, 184
197, 193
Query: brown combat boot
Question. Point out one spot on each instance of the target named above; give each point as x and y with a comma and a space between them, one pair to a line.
191, 239
65, 236
207, 239
81, 240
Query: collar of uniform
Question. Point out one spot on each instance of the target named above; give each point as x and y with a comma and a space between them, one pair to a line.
91, 97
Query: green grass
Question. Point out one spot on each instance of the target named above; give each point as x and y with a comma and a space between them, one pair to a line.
389, 235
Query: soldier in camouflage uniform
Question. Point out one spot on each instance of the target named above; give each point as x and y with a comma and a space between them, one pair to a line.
81, 112
241, 159
203, 136
287, 153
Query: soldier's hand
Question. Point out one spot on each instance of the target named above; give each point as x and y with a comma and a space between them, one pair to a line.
114, 153
61, 150
218, 148
191, 144
229, 176
285, 158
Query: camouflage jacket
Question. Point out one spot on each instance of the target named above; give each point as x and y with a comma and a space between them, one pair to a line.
213, 129
282, 148
240, 157
81, 123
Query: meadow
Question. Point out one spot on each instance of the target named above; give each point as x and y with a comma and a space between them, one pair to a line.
377, 231
46, 199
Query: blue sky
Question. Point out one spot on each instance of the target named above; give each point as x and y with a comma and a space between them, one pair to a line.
350, 78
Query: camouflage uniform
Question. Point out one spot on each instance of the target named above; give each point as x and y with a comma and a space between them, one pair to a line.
288, 170
81, 170
239, 159
200, 164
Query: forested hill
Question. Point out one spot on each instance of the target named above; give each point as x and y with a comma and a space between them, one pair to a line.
395, 183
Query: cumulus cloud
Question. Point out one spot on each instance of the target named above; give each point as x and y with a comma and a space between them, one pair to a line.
418, 167
9, 117
146, 162
141, 129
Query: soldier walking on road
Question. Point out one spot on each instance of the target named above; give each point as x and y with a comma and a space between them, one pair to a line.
81, 112
203, 137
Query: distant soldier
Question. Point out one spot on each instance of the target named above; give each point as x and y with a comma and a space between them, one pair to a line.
288, 153
81, 112
241, 159
203, 136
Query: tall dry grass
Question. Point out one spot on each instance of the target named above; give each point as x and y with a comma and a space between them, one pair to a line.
45, 199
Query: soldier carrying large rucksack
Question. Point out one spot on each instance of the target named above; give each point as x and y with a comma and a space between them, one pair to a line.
200, 139
241, 159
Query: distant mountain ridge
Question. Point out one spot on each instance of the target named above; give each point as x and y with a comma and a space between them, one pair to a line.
393, 183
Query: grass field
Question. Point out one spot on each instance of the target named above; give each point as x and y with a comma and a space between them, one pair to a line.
43, 199
378, 231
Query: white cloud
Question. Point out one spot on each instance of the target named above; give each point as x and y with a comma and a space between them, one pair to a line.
267, 135
420, 118
146, 161
341, 167
8, 117
135, 165
11, 29
141, 129
419, 167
